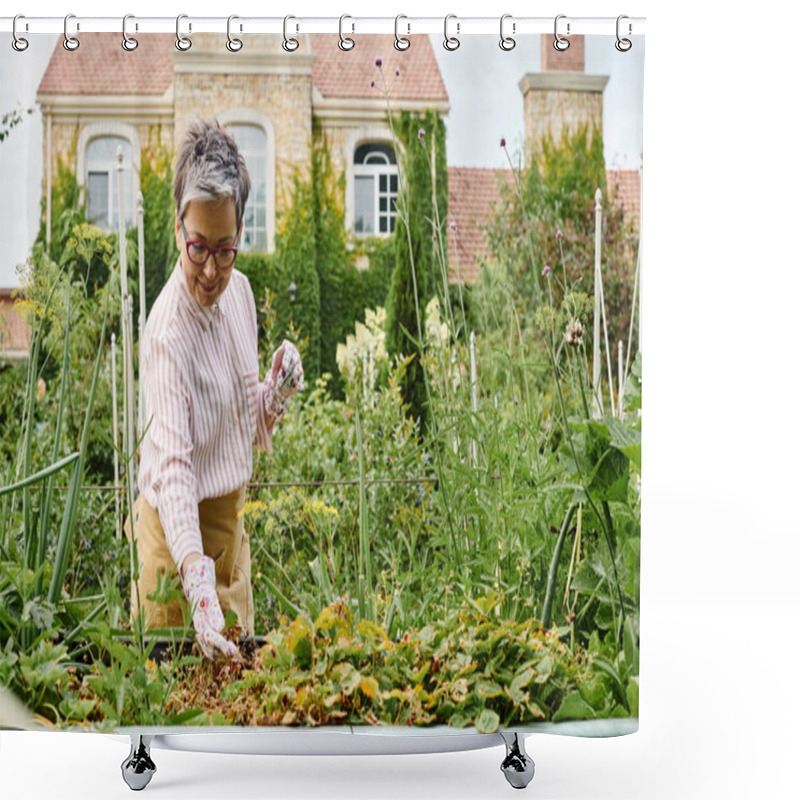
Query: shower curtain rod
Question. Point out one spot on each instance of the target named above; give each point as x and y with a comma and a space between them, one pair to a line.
402, 25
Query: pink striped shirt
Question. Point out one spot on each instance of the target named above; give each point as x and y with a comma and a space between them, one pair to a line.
199, 373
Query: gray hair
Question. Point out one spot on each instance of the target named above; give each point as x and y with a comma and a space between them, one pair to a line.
210, 167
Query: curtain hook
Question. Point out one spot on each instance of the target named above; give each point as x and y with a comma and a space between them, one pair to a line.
560, 43
289, 45
18, 42
182, 43
345, 42
233, 44
451, 42
400, 42
70, 42
623, 45
506, 42
128, 42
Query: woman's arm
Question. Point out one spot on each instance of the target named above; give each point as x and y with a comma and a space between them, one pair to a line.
175, 484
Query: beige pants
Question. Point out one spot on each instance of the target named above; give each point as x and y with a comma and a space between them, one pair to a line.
224, 540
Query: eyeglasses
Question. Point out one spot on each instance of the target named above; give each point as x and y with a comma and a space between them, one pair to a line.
199, 252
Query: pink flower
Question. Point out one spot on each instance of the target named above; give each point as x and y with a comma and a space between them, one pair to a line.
378, 62
397, 71
372, 84
421, 134
453, 226
546, 270
559, 234
503, 141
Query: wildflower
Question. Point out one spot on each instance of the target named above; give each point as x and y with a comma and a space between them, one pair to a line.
559, 233
397, 72
378, 62
421, 134
573, 335
453, 226
502, 141
372, 84
546, 270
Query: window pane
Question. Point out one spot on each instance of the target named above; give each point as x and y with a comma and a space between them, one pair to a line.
365, 204
97, 211
252, 143
384, 225
393, 183
382, 204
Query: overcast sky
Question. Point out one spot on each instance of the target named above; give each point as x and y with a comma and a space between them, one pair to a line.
485, 105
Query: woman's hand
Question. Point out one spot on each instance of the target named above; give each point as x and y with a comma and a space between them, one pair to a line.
200, 588
285, 379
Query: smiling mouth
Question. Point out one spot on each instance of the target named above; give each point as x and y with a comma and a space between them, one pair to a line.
208, 289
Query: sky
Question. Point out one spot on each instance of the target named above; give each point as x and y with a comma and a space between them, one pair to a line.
485, 105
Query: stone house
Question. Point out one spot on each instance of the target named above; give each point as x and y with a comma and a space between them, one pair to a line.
101, 97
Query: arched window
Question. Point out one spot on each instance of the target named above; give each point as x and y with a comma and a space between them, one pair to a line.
375, 174
252, 143
101, 178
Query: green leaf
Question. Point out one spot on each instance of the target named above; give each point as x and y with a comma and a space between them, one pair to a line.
632, 693
488, 721
627, 440
488, 689
573, 706
629, 644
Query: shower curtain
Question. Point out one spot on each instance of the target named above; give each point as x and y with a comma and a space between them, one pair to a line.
444, 527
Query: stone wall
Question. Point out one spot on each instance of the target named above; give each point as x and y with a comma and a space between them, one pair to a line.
554, 101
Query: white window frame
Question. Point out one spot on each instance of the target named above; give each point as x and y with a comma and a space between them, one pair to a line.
376, 164
249, 116
102, 130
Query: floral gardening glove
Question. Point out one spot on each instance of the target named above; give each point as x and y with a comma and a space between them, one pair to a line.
200, 587
284, 380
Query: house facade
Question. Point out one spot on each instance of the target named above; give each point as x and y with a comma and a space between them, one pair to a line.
100, 98
105, 97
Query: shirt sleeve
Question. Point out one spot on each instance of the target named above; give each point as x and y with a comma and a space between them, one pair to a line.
175, 484
263, 434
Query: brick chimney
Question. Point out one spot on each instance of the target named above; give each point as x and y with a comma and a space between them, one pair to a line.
561, 95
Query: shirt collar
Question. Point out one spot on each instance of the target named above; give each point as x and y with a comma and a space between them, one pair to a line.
205, 316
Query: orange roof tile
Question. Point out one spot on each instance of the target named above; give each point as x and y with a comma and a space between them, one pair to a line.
625, 185
15, 335
473, 193
101, 66
339, 74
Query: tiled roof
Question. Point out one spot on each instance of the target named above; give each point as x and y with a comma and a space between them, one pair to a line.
348, 74
626, 186
15, 335
101, 66
473, 193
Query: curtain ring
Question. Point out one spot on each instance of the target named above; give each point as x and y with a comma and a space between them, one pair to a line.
506, 42
182, 43
560, 43
233, 44
70, 42
289, 45
623, 45
128, 42
400, 42
451, 42
345, 42
18, 42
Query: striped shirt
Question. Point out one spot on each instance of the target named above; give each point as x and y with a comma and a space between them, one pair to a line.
199, 373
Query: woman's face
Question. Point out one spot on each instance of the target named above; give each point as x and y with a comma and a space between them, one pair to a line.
213, 223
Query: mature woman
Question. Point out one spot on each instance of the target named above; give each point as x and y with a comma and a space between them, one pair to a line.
204, 403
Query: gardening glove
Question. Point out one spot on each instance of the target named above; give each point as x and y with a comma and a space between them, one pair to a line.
284, 379
199, 585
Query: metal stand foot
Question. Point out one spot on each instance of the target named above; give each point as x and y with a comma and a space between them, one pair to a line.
517, 766
138, 768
